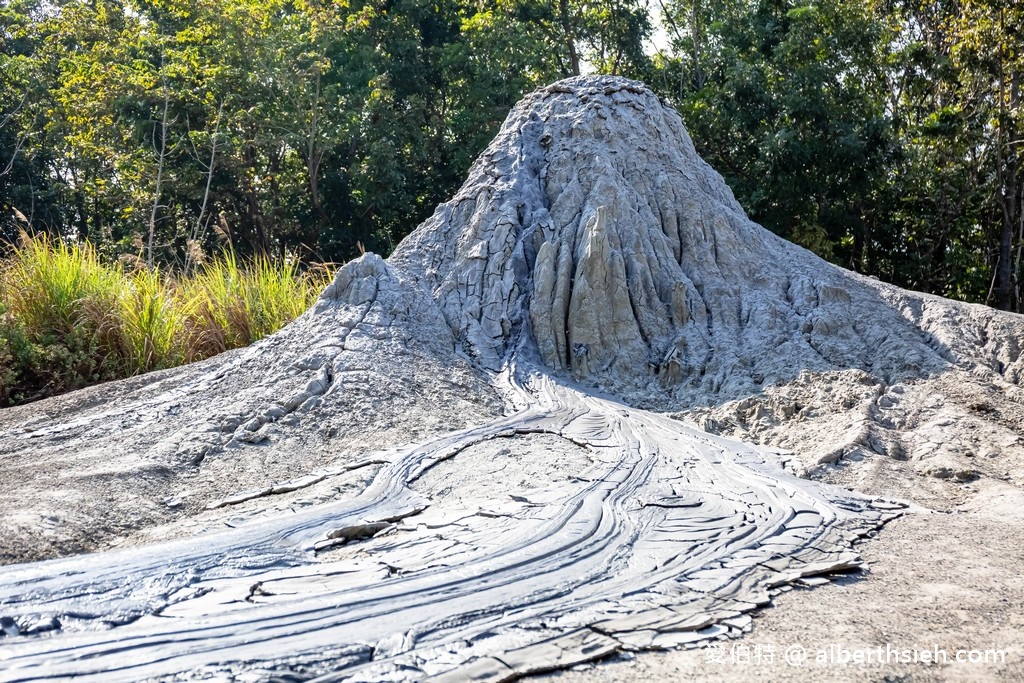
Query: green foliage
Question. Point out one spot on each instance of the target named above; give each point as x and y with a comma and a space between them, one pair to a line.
19, 360
68, 320
882, 134
878, 133
290, 126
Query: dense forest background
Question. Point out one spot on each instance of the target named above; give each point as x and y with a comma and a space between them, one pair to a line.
882, 134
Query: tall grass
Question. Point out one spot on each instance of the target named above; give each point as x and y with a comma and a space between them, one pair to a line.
68, 320
150, 323
49, 285
232, 305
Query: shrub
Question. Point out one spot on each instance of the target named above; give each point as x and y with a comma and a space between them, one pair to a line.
17, 359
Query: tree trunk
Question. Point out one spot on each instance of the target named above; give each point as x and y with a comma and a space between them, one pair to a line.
695, 34
161, 155
200, 227
570, 39
1009, 96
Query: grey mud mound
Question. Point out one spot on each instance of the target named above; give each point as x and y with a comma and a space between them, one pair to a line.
592, 223
452, 467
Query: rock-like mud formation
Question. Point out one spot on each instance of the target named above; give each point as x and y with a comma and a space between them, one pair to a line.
445, 470
592, 223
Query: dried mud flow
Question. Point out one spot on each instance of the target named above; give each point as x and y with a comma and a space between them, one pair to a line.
586, 408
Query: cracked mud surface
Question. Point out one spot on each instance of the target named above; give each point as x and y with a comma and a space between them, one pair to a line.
946, 581
660, 532
585, 411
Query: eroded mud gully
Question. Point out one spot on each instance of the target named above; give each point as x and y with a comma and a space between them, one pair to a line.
666, 538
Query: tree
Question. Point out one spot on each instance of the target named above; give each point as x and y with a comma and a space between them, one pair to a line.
29, 199
988, 50
783, 100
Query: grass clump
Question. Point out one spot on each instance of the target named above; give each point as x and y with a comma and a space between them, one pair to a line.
236, 305
149, 324
68, 320
49, 285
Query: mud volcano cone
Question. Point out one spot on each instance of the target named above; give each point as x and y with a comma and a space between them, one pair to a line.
442, 471
592, 227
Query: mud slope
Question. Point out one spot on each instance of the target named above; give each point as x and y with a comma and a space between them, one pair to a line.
472, 461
